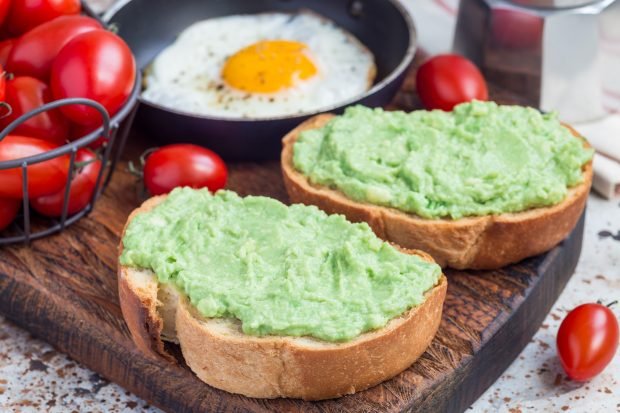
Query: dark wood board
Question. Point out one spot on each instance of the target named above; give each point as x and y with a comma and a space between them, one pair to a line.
63, 290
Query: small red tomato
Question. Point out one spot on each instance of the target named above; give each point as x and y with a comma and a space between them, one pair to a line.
2, 88
444, 81
79, 131
27, 14
25, 93
8, 211
82, 189
44, 178
34, 52
587, 341
5, 5
97, 65
183, 165
5, 49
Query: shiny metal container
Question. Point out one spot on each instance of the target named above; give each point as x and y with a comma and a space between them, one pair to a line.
548, 51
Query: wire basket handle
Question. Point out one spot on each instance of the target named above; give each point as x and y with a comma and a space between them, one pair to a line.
58, 151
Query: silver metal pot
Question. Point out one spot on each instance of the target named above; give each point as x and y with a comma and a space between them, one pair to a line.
549, 51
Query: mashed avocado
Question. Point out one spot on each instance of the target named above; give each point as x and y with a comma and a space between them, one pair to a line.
281, 270
480, 159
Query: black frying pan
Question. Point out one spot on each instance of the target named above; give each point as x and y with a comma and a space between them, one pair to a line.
148, 26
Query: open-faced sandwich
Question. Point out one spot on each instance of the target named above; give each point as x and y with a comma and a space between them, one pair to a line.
269, 300
480, 187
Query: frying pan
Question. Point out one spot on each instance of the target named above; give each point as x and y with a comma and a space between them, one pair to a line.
148, 26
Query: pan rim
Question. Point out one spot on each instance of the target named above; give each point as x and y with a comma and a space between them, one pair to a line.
387, 80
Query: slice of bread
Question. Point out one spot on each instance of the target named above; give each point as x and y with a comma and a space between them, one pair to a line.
485, 242
271, 366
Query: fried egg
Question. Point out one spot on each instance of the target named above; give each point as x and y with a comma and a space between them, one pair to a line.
260, 66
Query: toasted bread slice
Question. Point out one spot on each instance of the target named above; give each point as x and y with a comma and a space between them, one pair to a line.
485, 242
271, 366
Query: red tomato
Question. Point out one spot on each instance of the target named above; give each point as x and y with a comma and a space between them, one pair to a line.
5, 5
587, 340
26, 93
444, 81
183, 165
5, 108
97, 65
79, 131
2, 88
27, 14
82, 189
5, 49
34, 52
8, 211
44, 178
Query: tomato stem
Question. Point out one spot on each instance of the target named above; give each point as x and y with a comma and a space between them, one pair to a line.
113, 27
145, 154
80, 165
8, 108
137, 172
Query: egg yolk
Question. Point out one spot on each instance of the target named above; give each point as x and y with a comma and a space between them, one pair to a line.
269, 66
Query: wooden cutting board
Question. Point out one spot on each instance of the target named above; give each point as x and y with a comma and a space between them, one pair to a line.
63, 290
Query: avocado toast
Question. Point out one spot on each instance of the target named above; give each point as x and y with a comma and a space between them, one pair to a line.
274, 301
479, 188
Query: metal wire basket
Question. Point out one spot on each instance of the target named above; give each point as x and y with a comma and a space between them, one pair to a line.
114, 129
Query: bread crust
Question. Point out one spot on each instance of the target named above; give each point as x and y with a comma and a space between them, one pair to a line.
276, 366
270, 366
138, 300
486, 242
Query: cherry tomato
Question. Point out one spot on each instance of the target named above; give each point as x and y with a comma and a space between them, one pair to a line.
8, 211
5, 108
444, 81
82, 188
5, 49
34, 52
2, 87
23, 94
97, 65
5, 5
183, 165
44, 178
587, 340
79, 131
27, 14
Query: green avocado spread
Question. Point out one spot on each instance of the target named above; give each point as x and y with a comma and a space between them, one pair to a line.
479, 159
280, 270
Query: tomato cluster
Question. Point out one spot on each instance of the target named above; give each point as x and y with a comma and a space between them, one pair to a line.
49, 51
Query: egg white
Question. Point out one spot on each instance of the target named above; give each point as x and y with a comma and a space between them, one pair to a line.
186, 76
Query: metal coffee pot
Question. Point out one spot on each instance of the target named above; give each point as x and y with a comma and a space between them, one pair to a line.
550, 52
